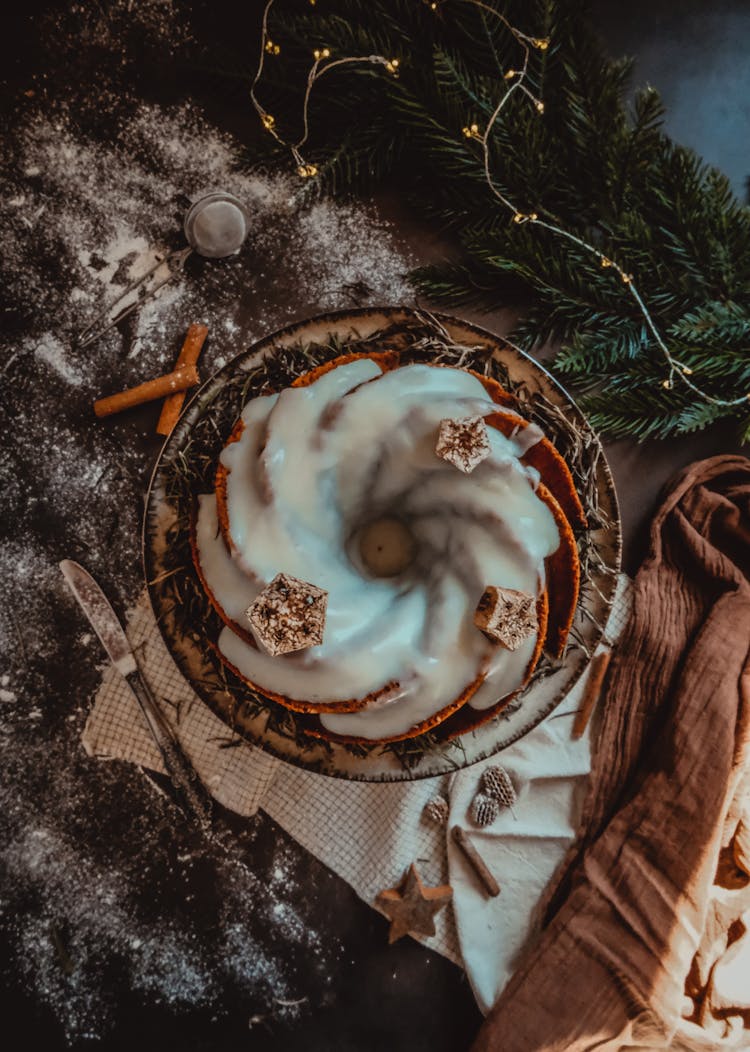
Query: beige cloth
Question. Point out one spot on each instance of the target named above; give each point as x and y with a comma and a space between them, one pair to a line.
665, 796
369, 833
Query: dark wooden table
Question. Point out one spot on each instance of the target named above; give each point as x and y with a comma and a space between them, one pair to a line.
117, 927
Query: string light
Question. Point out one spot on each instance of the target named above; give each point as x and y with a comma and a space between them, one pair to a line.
515, 79
519, 76
320, 67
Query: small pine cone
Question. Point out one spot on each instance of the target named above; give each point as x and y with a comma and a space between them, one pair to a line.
436, 810
484, 810
497, 784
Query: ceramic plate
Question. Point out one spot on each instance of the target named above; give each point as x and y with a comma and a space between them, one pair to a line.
185, 468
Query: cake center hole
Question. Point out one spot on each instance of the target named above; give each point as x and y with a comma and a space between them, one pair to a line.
387, 547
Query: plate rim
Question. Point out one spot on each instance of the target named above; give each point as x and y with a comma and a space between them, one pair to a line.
390, 314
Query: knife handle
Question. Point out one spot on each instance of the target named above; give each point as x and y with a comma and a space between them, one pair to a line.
191, 791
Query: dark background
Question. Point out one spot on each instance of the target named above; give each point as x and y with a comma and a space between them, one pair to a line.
367, 996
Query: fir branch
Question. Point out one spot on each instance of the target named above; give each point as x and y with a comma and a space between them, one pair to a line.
595, 164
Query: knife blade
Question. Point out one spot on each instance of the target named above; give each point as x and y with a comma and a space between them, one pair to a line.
102, 618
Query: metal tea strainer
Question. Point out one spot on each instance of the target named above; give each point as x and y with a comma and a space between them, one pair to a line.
215, 226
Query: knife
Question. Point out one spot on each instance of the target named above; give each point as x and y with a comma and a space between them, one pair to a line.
97, 608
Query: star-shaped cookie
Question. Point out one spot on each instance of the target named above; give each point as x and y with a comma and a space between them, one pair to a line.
412, 907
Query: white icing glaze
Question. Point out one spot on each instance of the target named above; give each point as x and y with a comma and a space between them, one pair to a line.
526, 437
233, 589
313, 466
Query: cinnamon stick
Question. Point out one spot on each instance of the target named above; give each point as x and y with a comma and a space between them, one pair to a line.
191, 349
599, 666
476, 861
179, 380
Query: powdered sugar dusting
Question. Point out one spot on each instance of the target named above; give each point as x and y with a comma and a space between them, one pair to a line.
52, 352
111, 221
346, 253
89, 914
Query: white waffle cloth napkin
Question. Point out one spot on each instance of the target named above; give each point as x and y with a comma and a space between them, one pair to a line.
369, 833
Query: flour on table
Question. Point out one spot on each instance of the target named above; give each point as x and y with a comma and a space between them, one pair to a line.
119, 27
89, 916
108, 212
52, 352
82, 927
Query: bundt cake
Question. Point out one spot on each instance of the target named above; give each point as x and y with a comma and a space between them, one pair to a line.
388, 544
